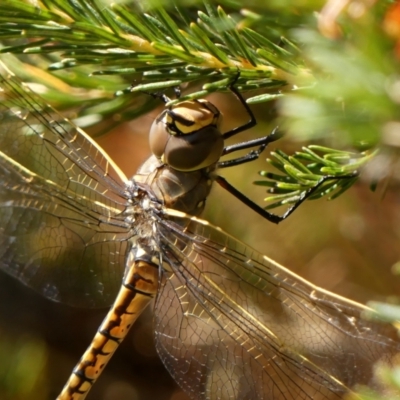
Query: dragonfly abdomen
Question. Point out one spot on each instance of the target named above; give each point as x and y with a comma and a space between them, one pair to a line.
139, 286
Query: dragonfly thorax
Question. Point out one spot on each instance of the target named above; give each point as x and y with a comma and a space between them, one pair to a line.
186, 143
187, 137
182, 191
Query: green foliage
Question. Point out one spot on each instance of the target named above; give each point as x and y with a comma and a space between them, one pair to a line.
157, 48
135, 47
354, 94
333, 172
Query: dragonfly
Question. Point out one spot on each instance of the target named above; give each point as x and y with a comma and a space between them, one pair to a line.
229, 322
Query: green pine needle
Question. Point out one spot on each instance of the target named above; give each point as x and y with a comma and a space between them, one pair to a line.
125, 49
331, 171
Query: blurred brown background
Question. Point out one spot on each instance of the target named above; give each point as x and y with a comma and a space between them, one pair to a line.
347, 246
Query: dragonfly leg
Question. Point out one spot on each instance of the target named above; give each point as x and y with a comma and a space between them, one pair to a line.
250, 123
253, 154
276, 219
138, 288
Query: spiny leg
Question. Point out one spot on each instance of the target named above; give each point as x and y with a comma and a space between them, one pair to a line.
249, 124
139, 286
274, 217
253, 154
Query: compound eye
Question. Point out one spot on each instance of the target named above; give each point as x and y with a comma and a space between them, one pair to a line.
187, 136
159, 135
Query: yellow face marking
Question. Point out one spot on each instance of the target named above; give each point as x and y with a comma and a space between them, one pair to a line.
195, 113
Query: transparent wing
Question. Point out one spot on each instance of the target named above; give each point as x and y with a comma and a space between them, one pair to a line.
62, 231
233, 324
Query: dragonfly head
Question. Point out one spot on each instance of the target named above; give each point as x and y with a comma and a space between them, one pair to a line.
187, 137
